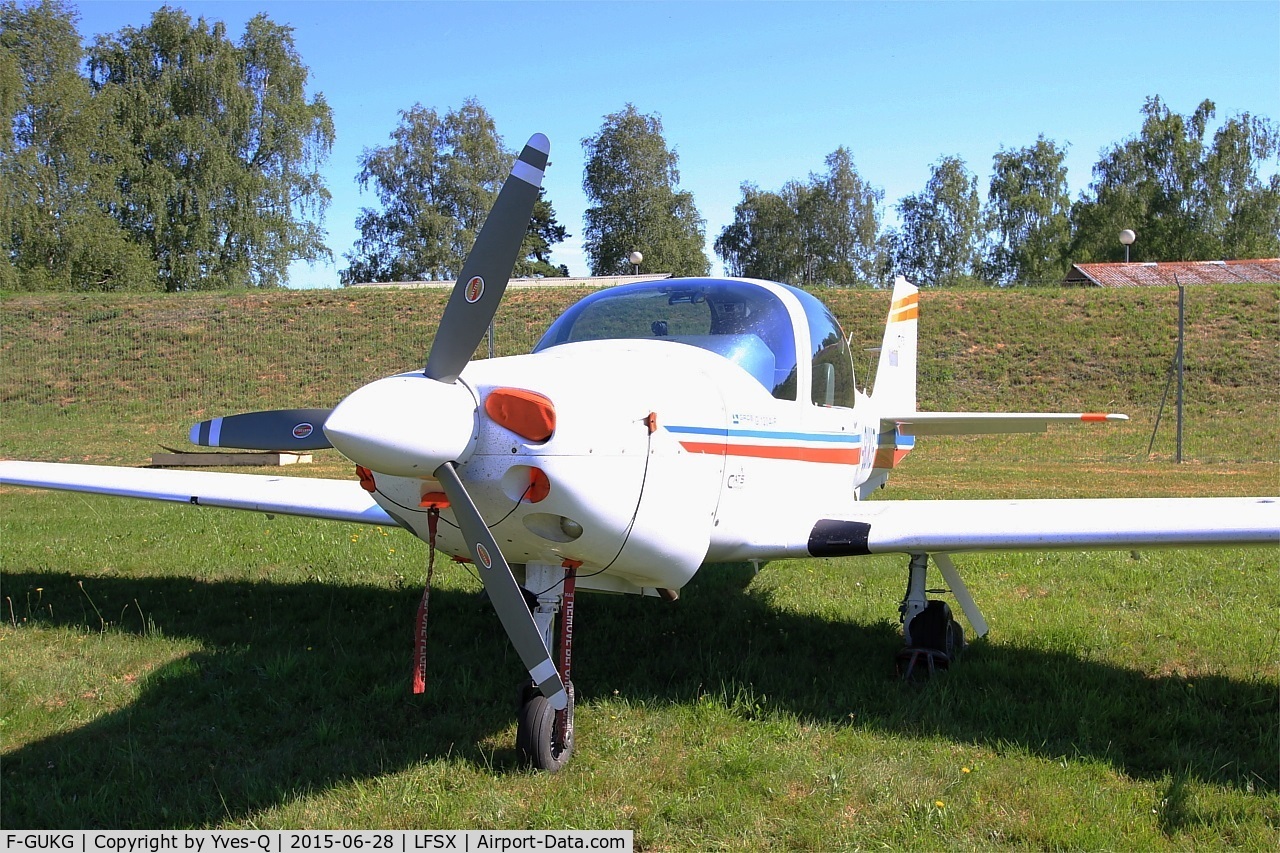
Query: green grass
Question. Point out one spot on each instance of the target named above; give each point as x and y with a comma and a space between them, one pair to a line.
169, 666
151, 680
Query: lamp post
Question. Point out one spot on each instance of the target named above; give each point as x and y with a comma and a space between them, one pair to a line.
635, 258
1127, 237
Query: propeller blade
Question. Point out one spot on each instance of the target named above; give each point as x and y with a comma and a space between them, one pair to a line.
503, 590
281, 429
488, 267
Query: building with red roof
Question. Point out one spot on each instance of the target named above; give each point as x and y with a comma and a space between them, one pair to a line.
1173, 273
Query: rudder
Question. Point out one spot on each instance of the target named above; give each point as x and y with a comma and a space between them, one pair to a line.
895, 384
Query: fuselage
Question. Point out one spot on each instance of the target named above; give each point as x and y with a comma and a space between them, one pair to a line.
703, 440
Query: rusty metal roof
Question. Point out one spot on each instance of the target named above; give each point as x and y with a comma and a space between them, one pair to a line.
1163, 274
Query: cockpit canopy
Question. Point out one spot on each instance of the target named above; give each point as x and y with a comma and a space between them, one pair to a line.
748, 322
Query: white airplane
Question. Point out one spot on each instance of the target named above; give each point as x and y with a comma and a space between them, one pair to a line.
654, 428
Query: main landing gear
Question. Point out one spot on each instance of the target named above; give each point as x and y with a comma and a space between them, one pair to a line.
933, 639
544, 736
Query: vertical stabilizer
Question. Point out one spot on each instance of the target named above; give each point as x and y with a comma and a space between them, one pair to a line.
894, 391
893, 396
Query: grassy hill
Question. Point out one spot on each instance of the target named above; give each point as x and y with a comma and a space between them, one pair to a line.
110, 378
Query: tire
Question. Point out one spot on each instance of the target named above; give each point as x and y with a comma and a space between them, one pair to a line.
536, 739
956, 645
931, 629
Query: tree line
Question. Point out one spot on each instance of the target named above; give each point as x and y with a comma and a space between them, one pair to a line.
172, 157
162, 157
1190, 197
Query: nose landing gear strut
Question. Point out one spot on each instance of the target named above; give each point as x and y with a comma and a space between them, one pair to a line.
544, 736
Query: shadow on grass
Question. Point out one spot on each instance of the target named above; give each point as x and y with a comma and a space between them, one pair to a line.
303, 687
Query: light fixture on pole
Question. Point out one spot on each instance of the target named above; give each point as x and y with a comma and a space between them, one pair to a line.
1127, 237
635, 258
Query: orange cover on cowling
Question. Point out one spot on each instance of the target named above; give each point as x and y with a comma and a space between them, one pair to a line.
526, 413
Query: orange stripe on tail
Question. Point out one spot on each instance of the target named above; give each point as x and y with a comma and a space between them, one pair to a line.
906, 308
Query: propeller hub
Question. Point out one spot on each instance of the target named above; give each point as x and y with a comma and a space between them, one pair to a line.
407, 425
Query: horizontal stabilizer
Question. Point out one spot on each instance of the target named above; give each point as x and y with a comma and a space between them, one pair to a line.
279, 429
335, 500
978, 423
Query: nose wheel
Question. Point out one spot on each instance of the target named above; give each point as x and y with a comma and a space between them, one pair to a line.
544, 736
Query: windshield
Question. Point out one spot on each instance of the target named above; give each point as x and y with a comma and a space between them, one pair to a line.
741, 321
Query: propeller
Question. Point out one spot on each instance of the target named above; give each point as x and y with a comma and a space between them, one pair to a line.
424, 424
488, 266
281, 429
503, 590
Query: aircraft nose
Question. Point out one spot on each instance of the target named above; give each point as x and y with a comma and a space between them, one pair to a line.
407, 425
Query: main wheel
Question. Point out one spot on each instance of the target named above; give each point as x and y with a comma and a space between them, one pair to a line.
544, 738
956, 644
933, 638
931, 629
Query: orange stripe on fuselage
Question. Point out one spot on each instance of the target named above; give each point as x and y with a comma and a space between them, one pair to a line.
838, 456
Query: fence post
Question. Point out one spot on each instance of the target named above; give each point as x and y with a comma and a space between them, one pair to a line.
1176, 367
1182, 336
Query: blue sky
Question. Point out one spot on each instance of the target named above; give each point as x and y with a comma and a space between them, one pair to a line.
761, 92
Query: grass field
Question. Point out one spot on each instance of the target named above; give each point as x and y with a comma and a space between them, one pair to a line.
178, 667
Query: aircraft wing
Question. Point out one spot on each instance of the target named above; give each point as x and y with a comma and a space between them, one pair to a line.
937, 526
974, 423
336, 500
